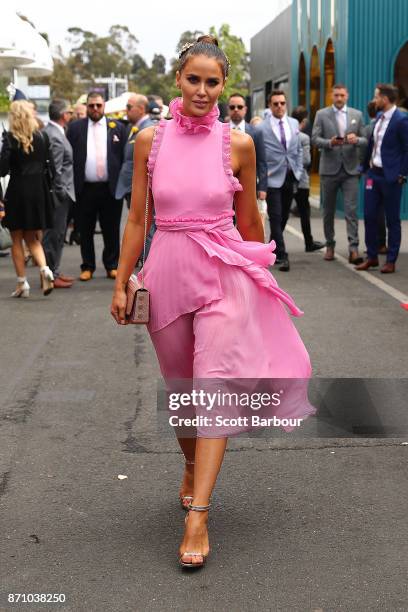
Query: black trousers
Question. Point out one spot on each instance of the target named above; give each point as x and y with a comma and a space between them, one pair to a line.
302, 201
279, 200
96, 202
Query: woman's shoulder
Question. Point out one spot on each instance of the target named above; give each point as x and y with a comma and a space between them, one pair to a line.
241, 142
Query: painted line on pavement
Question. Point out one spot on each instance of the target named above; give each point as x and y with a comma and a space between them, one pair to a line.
397, 295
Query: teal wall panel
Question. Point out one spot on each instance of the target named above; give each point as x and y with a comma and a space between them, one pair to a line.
367, 36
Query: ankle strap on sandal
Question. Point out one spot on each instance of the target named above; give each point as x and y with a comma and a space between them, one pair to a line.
198, 508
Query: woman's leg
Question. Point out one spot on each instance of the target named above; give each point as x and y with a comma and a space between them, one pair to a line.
174, 345
208, 460
17, 252
35, 246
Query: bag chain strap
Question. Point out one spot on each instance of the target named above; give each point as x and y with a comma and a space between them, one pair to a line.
146, 216
145, 228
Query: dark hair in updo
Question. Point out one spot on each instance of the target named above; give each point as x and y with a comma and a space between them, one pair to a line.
205, 45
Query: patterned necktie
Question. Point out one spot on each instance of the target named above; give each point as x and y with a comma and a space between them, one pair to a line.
99, 150
282, 134
377, 131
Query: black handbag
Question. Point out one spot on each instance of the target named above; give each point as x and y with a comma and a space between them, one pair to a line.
49, 169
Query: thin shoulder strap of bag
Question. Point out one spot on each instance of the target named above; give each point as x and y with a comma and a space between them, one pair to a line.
146, 216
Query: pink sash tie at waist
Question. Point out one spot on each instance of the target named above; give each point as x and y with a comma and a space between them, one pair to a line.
219, 238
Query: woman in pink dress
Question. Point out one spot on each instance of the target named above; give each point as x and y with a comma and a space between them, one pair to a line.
216, 310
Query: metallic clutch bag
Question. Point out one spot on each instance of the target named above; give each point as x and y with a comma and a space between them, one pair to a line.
137, 301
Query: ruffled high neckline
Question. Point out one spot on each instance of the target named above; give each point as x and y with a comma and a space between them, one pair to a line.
192, 125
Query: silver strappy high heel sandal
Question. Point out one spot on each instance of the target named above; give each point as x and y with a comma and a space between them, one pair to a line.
194, 553
185, 500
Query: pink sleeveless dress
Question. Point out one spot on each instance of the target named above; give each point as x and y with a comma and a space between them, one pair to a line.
211, 291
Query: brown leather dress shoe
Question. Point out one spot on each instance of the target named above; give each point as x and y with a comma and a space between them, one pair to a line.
368, 263
329, 255
111, 273
388, 268
59, 283
66, 279
85, 275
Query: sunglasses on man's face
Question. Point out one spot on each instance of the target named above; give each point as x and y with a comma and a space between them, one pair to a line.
278, 103
97, 105
234, 106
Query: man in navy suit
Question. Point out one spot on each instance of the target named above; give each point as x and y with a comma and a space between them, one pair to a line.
237, 111
386, 165
97, 145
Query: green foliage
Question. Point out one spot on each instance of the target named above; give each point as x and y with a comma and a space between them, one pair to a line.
234, 48
94, 56
62, 81
187, 37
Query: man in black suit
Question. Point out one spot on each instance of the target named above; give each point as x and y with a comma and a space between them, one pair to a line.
237, 111
97, 145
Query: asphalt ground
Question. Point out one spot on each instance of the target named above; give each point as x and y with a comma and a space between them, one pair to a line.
297, 523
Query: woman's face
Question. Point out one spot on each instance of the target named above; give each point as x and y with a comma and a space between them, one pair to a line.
201, 82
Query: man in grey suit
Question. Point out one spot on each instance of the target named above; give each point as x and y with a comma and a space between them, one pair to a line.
338, 132
63, 192
284, 158
137, 111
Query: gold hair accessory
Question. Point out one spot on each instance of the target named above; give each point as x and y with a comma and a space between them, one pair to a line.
185, 48
188, 46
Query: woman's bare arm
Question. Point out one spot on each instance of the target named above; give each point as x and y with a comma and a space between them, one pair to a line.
132, 241
243, 162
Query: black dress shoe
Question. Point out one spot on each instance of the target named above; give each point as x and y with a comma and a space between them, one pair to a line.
284, 266
355, 260
315, 246
74, 237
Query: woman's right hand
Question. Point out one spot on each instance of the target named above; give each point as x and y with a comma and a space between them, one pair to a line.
118, 306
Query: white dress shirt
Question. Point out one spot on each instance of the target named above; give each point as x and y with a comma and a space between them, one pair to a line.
61, 129
379, 132
90, 165
240, 126
341, 119
276, 128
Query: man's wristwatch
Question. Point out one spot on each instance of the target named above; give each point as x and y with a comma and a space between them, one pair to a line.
402, 178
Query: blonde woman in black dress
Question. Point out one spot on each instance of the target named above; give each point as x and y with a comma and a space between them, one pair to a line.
28, 201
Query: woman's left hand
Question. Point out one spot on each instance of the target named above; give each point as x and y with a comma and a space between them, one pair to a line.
118, 307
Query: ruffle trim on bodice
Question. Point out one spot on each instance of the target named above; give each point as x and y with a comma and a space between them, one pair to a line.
192, 125
226, 157
156, 142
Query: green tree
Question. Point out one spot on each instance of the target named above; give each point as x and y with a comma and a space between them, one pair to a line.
187, 37
62, 81
92, 56
159, 64
234, 48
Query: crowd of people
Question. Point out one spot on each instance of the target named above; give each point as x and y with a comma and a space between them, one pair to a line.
77, 170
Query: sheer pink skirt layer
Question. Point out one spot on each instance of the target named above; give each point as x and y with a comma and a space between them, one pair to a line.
245, 335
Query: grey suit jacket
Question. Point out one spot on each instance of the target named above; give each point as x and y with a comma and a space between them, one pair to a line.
347, 155
63, 161
304, 181
278, 159
124, 185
